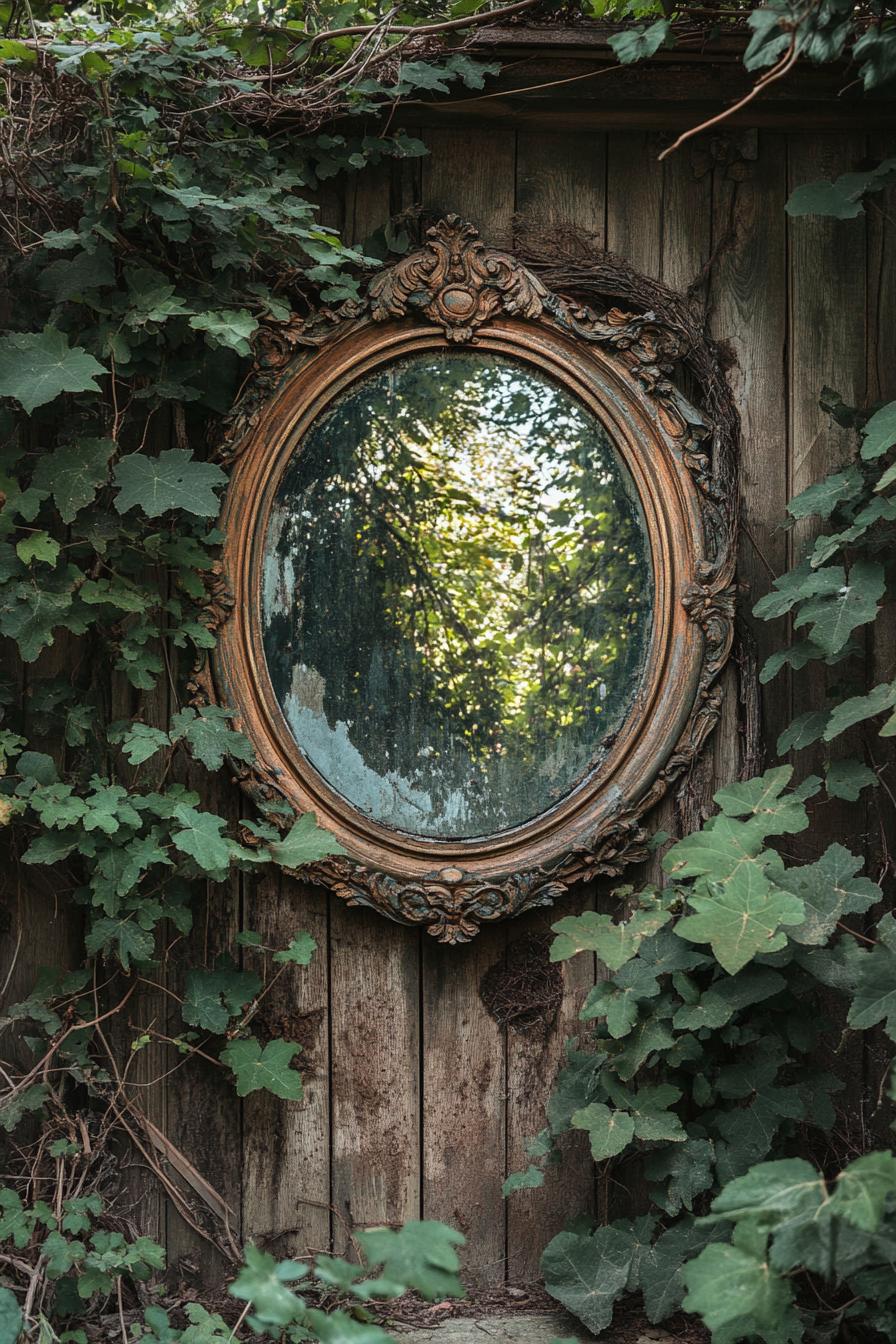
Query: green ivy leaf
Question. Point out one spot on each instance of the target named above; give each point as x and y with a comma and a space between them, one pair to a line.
803, 731
263, 1282
864, 1190
140, 741
37, 367
269, 1069
61, 1254
875, 994
173, 480
129, 940
613, 943
305, 842
879, 434
847, 778
588, 1274
38, 546
741, 920
834, 616
736, 1291
530, 1179
209, 736
301, 949
73, 474
858, 708
200, 837
11, 1319
212, 998
229, 327
829, 890
610, 1131
639, 43
421, 1256
822, 498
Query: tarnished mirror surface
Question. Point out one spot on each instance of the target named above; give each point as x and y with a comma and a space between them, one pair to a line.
457, 593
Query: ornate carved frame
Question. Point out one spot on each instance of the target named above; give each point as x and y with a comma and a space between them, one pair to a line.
456, 291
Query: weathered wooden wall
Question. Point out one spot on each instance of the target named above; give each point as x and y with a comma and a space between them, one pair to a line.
417, 1103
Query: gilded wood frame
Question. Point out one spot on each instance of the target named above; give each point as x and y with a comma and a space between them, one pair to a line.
455, 291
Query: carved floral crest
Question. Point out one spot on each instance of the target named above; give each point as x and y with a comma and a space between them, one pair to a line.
456, 283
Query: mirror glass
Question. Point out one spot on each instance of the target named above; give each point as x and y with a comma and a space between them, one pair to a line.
457, 593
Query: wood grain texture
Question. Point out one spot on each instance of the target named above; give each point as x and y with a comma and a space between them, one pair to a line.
827, 347
286, 1153
562, 180
748, 307
472, 174
375, 979
464, 1112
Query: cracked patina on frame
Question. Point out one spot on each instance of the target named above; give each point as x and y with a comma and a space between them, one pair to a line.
455, 291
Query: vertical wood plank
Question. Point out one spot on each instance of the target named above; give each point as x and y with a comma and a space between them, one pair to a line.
464, 1114
827, 346
375, 978
470, 173
635, 199
286, 1152
749, 313
561, 180
375, 988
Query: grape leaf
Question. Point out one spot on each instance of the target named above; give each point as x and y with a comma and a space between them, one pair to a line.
36, 367
301, 949
610, 1132
212, 998
864, 1190
613, 943
269, 1069
588, 1273
879, 433
741, 919
421, 1256
73, 474
305, 842
173, 480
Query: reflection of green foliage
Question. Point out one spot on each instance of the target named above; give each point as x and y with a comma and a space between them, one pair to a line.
469, 525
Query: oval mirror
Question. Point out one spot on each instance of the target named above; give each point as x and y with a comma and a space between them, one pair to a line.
456, 593
475, 587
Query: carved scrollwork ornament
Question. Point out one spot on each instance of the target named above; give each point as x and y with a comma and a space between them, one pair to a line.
455, 291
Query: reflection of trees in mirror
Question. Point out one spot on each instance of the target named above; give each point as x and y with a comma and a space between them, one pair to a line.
457, 593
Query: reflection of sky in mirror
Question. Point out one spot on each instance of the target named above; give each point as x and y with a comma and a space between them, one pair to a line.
457, 594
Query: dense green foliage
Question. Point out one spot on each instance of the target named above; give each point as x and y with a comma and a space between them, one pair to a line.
721, 987
156, 216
